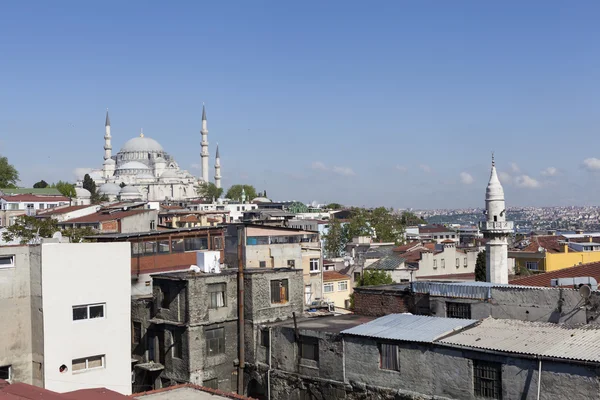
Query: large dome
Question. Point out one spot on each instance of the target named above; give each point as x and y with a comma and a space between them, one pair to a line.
134, 165
141, 143
109, 189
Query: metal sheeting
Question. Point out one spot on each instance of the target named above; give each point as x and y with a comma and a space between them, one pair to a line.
467, 291
408, 327
533, 338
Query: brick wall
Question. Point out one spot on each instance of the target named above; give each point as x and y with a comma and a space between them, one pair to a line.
377, 303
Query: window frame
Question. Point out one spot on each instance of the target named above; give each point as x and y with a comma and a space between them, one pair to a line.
312, 268
177, 343
458, 310
306, 342
10, 257
88, 307
282, 283
340, 284
9, 372
87, 362
210, 342
327, 285
387, 359
212, 290
136, 339
528, 263
482, 384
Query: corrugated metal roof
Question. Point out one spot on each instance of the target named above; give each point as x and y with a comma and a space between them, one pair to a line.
468, 290
408, 327
533, 338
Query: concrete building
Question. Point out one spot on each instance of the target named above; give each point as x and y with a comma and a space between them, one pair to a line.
115, 221
64, 213
188, 330
496, 230
278, 247
437, 233
13, 205
337, 289
61, 339
184, 218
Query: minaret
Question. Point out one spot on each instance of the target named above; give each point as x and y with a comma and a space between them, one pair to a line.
217, 168
204, 143
496, 230
107, 145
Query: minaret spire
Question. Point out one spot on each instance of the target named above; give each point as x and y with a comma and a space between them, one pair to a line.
217, 168
107, 137
496, 229
204, 145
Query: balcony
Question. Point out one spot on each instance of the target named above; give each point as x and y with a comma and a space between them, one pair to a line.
496, 226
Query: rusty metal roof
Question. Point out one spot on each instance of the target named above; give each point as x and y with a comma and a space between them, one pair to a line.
408, 327
532, 338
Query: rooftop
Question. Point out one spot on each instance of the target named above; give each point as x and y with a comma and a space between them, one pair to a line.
334, 276
34, 198
116, 236
434, 229
38, 191
408, 327
62, 210
104, 216
329, 323
541, 339
187, 391
543, 280
17, 391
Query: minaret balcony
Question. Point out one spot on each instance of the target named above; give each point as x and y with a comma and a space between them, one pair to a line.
497, 226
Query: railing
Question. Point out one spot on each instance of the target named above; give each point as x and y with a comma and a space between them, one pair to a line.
496, 225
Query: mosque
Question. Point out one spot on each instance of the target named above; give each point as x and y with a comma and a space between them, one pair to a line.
142, 169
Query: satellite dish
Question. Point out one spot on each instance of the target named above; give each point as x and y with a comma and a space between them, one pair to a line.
585, 291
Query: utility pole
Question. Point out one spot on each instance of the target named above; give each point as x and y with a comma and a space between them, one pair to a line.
240, 282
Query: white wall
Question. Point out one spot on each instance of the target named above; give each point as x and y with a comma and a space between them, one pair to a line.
87, 273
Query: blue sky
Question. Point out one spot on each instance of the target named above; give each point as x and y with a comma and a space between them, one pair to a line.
366, 103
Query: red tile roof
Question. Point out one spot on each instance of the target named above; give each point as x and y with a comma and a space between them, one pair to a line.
434, 229
34, 198
334, 276
217, 392
61, 210
103, 216
543, 280
548, 242
23, 391
407, 246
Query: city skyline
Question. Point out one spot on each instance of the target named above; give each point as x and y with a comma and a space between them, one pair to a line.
329, 102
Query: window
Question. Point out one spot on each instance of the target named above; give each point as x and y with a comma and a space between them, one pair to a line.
434, 263
443, 263
163, 246
6, 372
211, 383
137, 249
457, 262
41, 206
196, 243
215, 341
149, 247
389, 357
177, 337
177, 245
342, 286
279, 291
487, 379
465, 262
447, 236
166, 297
314, 265
291, 263
328, 288
309, 348
136, 332
218, 243
84, 364
262, 264
458, 310
89, 311
7, 261
217, 295
264, 337
532, 265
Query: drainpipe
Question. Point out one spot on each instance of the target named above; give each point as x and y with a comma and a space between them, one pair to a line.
240, 282
539, 380
269, 370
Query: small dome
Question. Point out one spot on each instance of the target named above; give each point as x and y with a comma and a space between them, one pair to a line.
109, 161
109, 189
82, 193
159, 160
170, 173
133, 165
261, 200
129, 190
141, 143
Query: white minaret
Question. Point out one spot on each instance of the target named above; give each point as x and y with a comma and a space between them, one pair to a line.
107, 145
217, 168
204, 143
496, 229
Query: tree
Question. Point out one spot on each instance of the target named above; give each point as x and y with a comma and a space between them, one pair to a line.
27, 228
210, 191
235, 192
335, 239
9, 176
40, 185
480, 267
77, 235
358, 224
65, 188
375, 277
89, 184
409, 219
334, 206
122, 185
387, 225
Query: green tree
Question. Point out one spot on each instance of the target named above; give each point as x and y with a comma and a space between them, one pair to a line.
9, 176
409, 219
122, 185
65, 188
334, 206
27, 228
375, 277
387, 225
210, 191
480, 267
335, 239
235, 192
358, 225
40, 185
78, 235
89, 184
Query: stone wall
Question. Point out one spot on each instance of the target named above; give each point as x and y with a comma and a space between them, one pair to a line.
377, 303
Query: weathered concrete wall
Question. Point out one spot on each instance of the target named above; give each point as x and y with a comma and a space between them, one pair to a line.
257, 286
378, 303
176, 291
139, 222
199, 298
21, 310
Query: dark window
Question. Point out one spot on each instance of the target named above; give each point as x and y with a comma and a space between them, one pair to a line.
79, 313
262, 264
196, 243
88, 311
218, 243
5, 372
166, 297
177, 245
97, 311
291, 263
216, 292
389, 356
458, 310
211, 383
279, 291
309, 348
264, 337
487, 379
137, 248
136, 336
149, 247
177, 343
163, 246
215, 341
